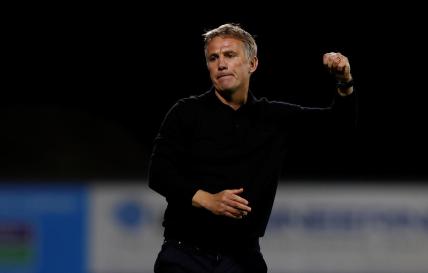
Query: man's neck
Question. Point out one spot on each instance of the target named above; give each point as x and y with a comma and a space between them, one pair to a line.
234, 100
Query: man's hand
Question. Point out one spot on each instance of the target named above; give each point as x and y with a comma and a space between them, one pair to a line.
227, 203
339, 66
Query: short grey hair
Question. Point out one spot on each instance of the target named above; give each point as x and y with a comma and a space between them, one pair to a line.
234, 31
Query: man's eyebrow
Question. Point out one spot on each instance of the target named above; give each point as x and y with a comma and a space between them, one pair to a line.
229, 51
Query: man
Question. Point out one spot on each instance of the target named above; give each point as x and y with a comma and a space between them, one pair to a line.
217, 159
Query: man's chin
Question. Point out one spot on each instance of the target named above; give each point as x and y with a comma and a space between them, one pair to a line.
226, 91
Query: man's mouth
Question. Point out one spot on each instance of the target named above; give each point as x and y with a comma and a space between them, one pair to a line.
223, 75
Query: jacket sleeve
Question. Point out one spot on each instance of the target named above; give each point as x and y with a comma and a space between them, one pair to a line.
340, 114
167, 165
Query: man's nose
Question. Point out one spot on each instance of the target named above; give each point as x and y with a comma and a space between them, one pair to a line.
222, 65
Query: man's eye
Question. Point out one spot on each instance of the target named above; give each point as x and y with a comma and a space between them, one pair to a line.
212, 58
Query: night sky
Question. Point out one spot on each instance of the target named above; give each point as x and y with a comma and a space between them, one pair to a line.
85, 90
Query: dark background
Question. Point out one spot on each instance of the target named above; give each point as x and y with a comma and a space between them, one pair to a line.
85, 89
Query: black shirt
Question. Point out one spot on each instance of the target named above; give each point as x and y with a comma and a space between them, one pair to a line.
205, 144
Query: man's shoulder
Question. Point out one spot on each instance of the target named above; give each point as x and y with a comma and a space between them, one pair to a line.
189, 104
194, 100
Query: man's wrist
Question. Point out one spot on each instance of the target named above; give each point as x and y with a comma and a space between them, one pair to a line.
345, 88
199, 198
342, 85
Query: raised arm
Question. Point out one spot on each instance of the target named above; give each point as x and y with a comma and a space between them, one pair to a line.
341, 112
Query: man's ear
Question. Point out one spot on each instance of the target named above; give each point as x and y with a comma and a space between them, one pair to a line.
254, 62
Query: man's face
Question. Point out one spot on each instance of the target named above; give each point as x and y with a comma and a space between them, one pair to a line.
229, 67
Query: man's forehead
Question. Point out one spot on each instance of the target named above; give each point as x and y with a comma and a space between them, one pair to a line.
224, 44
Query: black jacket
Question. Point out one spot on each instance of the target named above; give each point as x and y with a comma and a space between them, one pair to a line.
205, 144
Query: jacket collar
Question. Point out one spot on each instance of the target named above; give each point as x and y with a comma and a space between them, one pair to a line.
212, 98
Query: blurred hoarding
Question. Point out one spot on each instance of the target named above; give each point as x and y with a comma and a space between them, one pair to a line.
116, 228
